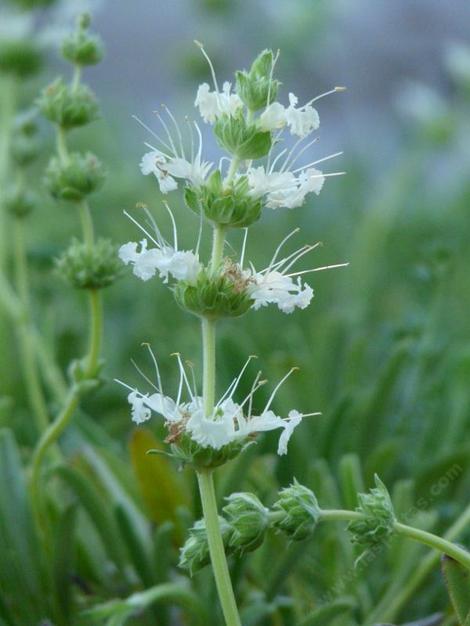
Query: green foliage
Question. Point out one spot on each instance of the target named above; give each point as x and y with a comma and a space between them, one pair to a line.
21, 58
257, 88
458, 585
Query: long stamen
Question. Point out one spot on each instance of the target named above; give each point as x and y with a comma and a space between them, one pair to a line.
120, 382
175, 234
278, 249
177, 128
206, 56
277, 387
273, 164
292, 151
167, 131
153, 133
149, 145
234, 384
144, 376
193, 379
254, 388
199, 150
191, 134
293, 258
153, 223
183, 373
242, 255
155, 363
141, 228
327, 93
275, 141
317, 269
299, 256
304, 167
290, 163
287, 419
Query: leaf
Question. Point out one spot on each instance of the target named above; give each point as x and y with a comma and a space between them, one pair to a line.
458, 585
63, 560
325, 614
162, 488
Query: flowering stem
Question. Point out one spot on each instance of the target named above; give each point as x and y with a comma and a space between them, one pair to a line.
62, 149
218, 242
87, 223
216, 548
96, 332
28, 356
208, 354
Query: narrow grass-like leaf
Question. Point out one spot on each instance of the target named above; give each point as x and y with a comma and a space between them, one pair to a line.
458, 585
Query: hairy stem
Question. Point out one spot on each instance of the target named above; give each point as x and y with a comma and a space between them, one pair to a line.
218, 242
96, 332
87, 224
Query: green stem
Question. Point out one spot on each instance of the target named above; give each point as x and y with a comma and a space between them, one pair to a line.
433, 541
77, 75
28, 355
96, 332
48, 438
62, 149
208, 353
218, 242
87, 223
335, 515
396, 599
216, 548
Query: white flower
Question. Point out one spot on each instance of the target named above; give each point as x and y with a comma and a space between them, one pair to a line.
228, 422
212, 104
171, 160
165, 259
273, 117
276, 288
303, 120
284, 188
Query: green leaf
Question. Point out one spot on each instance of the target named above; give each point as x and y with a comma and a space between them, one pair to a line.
325, 614
458, 585
63, 561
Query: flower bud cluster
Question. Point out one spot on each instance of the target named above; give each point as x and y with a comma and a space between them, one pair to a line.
68, 106
24, 146
75, 177
82, 48
299, 512
377, 523
20, 202
90, 267
20, 57
246, 521
257, 88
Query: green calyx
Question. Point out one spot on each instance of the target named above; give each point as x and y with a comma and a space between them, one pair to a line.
86, 267
192, 454
67, 106
230, 206
80, 47
249, 521
299, 511
20, 57
20, 202
76, 178
379, 517
215, 296
257, 88
242, 138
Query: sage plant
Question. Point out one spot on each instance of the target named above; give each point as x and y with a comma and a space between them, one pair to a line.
208, 427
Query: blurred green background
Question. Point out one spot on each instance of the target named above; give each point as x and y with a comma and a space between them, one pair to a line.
384, 349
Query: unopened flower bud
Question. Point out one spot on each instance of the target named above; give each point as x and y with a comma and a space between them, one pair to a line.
241, 138
90, 267
67, 106
249, 521
20, 57
80, 47
20, 202
257, 88
379, 517
194, 555
300, 511
231, 206
214, 297
76, 178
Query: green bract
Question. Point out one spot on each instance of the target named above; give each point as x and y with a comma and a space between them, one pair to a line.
20, 202
214, 297
230, 206
188, 452
249, 520
300, 511
242, 138
67, 106
379, 517
20, 57
257, 88
76, 178
90, 267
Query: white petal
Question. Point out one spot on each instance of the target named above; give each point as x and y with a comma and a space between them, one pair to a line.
290, 424
140, 413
